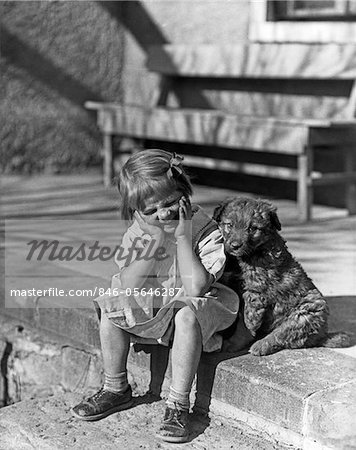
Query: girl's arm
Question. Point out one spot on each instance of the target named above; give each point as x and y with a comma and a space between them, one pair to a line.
134, 275
195, 278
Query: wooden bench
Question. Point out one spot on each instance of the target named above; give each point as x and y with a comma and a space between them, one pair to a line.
279, 99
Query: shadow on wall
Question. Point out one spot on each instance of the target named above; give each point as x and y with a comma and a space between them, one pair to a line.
147, 33
56, 56
133, 15
19, 53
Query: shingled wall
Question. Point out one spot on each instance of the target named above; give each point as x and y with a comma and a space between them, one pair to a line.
55, 56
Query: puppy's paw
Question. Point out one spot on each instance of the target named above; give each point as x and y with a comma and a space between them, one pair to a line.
262, 348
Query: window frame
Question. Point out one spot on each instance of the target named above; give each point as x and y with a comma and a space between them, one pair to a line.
285, 10
262, 30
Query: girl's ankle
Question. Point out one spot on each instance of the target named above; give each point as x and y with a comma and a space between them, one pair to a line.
178, 400
116, 383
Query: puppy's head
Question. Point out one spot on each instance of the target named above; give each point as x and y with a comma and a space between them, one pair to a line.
246, 224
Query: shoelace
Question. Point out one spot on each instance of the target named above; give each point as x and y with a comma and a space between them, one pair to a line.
96, 396
175, 414
99, 394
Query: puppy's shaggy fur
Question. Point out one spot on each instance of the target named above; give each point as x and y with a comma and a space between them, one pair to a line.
282, 307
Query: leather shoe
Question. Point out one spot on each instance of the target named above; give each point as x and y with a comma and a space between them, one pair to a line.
102, 404
174, 427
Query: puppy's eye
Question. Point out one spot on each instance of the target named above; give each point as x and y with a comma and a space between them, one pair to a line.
226, 225
252, 229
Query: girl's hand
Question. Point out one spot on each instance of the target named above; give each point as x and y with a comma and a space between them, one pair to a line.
153, 230
185, 214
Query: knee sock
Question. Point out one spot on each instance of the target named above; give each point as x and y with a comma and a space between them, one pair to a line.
179, 400
116, 383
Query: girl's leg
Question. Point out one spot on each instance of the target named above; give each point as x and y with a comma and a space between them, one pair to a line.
116, 393
186, 350
115, 345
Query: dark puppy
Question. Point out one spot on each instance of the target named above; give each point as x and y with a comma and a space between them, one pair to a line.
282, 307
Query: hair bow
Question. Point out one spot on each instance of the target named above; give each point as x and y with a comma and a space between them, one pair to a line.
175, 163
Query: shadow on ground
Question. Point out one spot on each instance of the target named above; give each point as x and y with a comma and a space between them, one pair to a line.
343, 315
342, 319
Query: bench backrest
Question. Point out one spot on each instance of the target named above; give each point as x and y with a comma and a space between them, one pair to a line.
314, 81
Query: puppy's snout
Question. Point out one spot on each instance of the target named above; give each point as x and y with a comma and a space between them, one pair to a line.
235, 245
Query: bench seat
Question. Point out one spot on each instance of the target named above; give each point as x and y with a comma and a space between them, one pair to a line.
211, 127
270, 111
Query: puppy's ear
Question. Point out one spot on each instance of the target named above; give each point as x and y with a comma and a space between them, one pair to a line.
218, 212
274, 220
270, 211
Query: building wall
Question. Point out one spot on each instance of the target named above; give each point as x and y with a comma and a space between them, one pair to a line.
218, 22
226, 23
55, 56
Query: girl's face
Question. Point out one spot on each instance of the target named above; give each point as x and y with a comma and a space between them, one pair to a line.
162, 212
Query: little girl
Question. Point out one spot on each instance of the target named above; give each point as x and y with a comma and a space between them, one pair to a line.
166, 292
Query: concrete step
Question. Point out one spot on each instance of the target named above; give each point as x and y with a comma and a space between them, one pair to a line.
305, 398
47, 424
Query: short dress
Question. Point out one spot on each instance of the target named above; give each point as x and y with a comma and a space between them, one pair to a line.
148, 313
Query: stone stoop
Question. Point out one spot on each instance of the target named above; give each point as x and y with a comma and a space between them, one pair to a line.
305, 398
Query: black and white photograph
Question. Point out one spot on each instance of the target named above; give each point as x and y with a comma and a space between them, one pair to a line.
178, 224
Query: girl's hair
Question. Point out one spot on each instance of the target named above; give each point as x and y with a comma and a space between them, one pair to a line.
147, 173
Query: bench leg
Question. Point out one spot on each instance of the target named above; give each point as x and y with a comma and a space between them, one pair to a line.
304, 188
350, 167
108, 162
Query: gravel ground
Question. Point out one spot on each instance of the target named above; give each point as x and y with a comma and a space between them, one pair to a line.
47, 424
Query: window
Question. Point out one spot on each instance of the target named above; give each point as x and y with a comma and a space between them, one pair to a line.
315, 10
